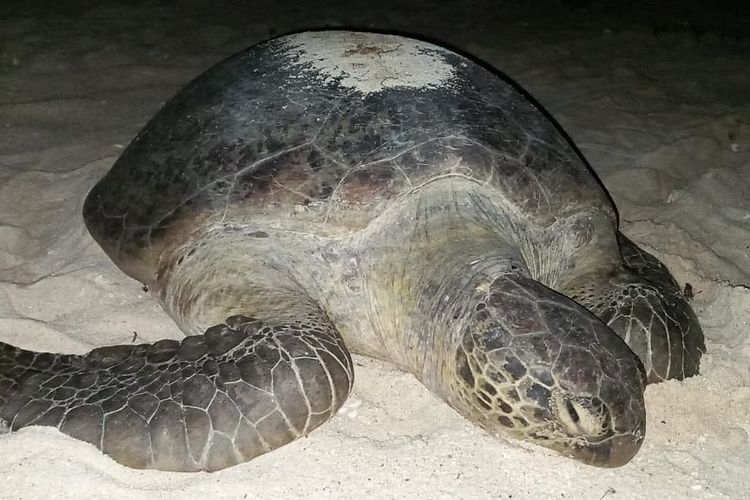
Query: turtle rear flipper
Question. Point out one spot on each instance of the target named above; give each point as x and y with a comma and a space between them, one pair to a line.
242, 389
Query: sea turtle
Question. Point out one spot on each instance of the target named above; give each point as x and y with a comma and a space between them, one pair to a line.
327, 192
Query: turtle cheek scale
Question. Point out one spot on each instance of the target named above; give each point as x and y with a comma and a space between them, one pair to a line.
549, 373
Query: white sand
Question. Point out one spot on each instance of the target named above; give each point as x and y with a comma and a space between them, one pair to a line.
664, 119
400, 62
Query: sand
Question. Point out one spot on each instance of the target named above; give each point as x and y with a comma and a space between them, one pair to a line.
660, 106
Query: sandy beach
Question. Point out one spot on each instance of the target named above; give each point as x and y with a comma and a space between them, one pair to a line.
659, 105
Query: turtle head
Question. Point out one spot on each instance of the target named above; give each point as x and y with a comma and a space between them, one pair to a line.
532, 364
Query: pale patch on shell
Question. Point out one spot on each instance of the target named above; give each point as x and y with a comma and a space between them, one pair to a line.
371, 62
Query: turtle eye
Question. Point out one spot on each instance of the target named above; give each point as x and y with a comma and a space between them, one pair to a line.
572, 413
582, 416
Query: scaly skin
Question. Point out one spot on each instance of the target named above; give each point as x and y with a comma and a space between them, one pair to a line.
644, 305
208, 402
544, 369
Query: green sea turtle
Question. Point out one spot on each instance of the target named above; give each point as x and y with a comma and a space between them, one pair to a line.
328, 192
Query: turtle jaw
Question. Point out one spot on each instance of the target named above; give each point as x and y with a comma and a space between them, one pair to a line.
613, 451
598, 433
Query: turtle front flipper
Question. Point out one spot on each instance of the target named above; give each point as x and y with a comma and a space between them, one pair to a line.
241, 389
643, 303
647, 266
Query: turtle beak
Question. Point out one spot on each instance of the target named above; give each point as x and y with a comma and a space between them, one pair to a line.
598, 434
615, 451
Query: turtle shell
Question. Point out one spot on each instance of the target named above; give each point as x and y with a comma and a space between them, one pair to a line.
327, 129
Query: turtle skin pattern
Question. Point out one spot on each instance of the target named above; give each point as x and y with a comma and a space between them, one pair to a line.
205, 403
